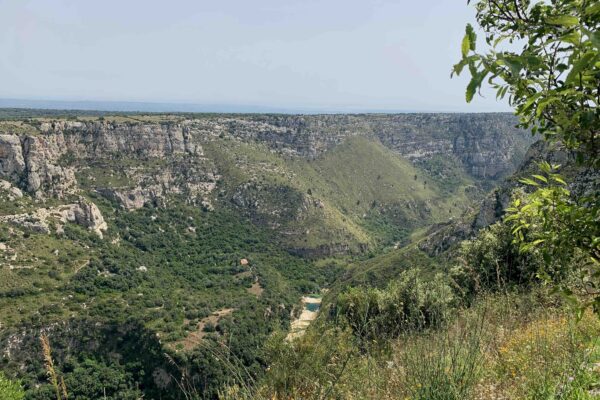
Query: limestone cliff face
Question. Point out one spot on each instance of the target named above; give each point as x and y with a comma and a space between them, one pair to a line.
32, 162
489, 145
12, 163
45, 164
42, 164
101, 139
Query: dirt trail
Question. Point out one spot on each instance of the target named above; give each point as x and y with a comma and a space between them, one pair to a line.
195, 338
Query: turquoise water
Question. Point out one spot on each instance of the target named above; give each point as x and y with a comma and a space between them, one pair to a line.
312, 306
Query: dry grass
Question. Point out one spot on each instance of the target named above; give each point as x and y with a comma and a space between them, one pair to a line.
505, 347
256, 289
55, 379
547, 357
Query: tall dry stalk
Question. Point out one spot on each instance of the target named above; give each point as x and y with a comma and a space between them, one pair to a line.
58, 383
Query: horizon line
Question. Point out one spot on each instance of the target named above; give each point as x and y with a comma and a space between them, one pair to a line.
125, 106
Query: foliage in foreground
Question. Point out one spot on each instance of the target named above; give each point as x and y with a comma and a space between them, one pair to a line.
512, 346
10, 390
546, 57
564, 231
491, 261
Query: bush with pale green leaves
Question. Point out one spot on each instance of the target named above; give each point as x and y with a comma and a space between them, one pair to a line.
492, 261
10, 390
412, 302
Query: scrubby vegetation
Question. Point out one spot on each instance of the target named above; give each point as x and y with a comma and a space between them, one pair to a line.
123, 306
513, 345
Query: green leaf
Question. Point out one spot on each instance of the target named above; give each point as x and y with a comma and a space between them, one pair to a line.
545, 103
514, 63
545, 166
530, 102
559, 180
469, 40
592, 9
502, 92
572, 37
465, 46
471, 89
580, 65
458, 67
475, 84
529, 182
594, 37
563, 20
540, 178
472, 37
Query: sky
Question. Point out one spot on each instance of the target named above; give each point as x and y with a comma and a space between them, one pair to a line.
329, 55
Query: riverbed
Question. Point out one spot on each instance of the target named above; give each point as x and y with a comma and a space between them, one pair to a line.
310, 310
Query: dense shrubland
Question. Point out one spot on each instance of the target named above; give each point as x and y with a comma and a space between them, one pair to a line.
122, 318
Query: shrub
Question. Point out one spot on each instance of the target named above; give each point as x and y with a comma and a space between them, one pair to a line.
409, 303
209, 327
10, 390
492, 261
311, 367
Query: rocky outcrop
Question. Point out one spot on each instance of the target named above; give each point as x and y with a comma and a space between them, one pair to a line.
322, 251
12, 163
32, 162
191, 180
42, 220
9, 192
88, 215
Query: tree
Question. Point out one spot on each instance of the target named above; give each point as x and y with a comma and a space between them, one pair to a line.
95, 380
544, 55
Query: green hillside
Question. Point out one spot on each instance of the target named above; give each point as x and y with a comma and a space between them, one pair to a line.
359, 193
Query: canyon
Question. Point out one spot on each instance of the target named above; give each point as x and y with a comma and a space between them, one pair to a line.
131, 227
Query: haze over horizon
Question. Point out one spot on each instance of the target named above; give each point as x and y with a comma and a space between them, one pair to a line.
230, 56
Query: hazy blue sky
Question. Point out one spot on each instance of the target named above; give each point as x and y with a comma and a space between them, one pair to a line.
323, 54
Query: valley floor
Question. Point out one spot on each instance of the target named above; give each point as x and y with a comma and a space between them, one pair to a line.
310, 310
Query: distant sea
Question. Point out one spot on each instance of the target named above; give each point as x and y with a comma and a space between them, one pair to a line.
132, 106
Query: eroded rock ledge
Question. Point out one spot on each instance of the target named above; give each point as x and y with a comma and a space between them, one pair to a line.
44, 220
